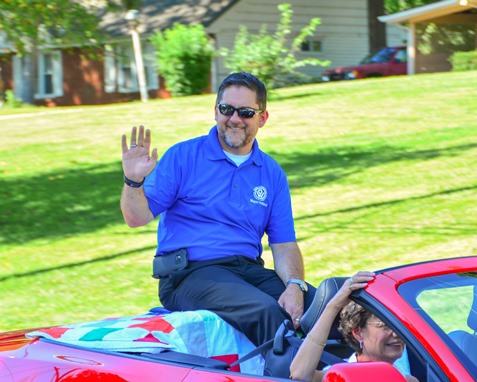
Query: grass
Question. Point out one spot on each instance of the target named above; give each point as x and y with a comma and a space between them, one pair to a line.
382, 172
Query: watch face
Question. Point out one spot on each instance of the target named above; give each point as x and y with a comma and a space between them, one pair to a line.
303, 286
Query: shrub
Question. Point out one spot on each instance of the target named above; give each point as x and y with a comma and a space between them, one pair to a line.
184, 57
11, 100
464, 61
271, 57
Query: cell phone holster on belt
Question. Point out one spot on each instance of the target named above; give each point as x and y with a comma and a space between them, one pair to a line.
164, 265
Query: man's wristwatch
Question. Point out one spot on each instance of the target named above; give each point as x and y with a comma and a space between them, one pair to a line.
299, 282
132, 183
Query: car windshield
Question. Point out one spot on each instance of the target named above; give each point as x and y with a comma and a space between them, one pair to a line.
449, 304
381, 56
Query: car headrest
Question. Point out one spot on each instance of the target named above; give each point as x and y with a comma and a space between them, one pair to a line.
324, 293
472, 319
466, 342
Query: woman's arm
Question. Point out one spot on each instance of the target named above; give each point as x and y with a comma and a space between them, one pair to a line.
308, 356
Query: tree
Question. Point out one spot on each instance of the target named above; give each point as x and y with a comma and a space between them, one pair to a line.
45, 22
393, 6
271, 57
377, 29
184, 56
30, 24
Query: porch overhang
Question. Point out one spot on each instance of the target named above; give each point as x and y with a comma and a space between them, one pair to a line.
445, 11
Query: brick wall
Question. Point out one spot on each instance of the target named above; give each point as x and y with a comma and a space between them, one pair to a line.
83, 83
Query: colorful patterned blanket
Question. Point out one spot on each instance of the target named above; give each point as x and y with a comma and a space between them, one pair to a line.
198, 332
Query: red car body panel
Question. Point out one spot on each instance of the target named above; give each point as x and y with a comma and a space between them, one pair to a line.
364, 371
42, 361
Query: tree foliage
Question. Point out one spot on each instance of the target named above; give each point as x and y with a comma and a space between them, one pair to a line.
445, 38
184, 56
393, 6
464, 61
272, 58
28, 24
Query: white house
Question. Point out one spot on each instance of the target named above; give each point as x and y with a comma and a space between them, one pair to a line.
65, 77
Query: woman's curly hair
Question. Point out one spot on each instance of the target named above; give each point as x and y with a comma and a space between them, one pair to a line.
353, 316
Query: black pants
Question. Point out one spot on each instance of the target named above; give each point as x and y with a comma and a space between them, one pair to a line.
240, 290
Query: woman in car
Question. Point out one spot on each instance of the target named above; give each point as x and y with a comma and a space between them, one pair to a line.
371, 339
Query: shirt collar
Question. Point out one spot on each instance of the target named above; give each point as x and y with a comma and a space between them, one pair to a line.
215, 151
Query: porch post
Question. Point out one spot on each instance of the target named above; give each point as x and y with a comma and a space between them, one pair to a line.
411, 49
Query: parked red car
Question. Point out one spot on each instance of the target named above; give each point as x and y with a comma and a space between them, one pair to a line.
389, 61
431, 305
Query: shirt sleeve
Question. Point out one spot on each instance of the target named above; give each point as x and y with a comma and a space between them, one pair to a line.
161, 185
281, 227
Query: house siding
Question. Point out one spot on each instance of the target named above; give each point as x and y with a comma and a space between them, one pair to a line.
396, 35
343, 31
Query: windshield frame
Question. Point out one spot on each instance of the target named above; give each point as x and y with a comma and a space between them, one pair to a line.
412, 290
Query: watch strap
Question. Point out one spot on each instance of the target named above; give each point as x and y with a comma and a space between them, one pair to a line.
132, 183
300, 283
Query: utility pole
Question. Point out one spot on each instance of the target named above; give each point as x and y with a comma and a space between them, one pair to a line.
132, 18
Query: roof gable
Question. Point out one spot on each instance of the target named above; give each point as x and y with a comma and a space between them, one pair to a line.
159, 15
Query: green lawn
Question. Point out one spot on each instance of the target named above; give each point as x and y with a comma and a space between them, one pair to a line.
382, 172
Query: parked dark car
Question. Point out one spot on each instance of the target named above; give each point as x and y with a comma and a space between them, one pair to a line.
390, 61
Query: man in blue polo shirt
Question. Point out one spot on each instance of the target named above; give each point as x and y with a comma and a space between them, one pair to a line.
216, 196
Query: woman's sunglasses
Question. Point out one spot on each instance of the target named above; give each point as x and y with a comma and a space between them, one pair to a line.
380, 325
243, 112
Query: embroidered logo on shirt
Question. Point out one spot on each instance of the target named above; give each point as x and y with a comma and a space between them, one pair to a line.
260, 194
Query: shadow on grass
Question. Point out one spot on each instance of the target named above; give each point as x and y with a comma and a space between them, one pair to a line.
390, 203
73, 265
355, 223
333, 164
280, 97
81, 200
60, 203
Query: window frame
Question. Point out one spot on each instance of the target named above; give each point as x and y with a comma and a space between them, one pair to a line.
119, 58
54, 69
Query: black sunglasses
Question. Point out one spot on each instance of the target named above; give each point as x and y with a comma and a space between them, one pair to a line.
243, 112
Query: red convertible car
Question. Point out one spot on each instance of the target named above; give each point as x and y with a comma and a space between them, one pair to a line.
431, 305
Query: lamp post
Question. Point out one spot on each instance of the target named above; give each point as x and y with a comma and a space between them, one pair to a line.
132, 17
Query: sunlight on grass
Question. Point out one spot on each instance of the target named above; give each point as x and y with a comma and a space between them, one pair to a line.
382, 172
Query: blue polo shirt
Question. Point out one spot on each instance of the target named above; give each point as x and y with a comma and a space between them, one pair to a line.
212, 207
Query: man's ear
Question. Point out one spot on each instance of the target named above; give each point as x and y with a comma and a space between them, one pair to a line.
263, 118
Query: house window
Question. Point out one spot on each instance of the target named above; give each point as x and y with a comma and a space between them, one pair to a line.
311, 46
127, 76
150, 67
121, 72
50, 75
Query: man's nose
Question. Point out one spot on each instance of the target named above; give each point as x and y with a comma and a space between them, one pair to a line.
235, 116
